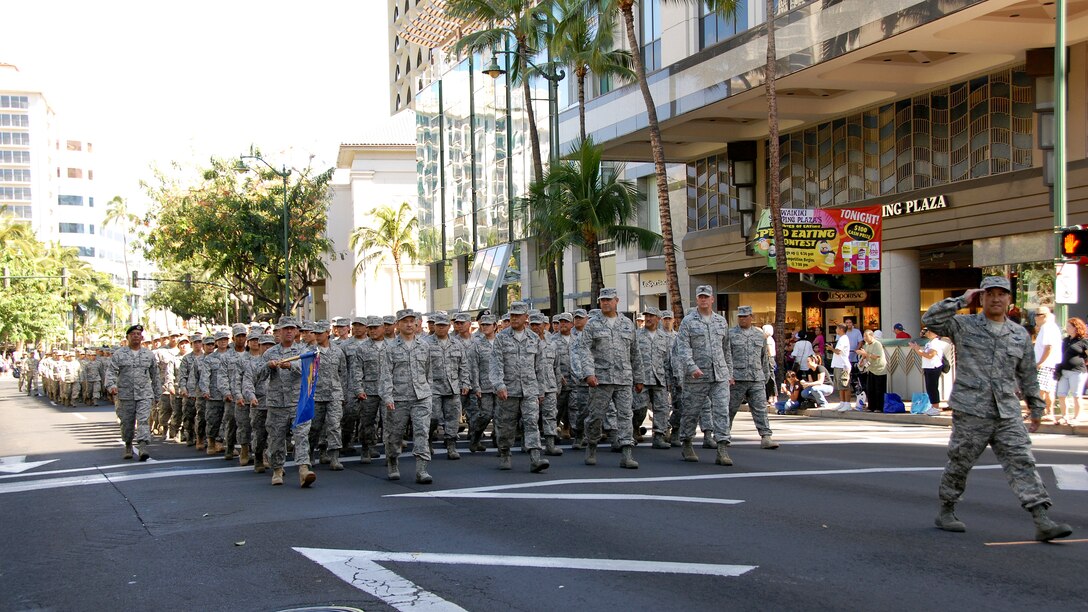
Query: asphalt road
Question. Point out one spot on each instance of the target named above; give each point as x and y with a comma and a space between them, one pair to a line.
840, 517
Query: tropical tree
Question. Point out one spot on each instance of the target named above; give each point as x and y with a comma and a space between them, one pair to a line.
626, 10
583, 39
773, 199
393, 234
230, 228
591, 203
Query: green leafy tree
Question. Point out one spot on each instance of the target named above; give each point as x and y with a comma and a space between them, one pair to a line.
590, 203
230, 227
393, 234
188, 300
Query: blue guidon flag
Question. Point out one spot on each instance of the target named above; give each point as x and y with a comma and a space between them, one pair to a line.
305, 410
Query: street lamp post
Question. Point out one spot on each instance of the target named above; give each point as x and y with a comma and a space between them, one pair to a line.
283, 174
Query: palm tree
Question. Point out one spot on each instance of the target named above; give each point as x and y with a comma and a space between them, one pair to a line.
591, 204
394, 235
626, 9
773, 203
117, 213
16, 235
583, 39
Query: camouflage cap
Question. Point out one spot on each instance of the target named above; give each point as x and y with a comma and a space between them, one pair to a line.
581, 314
287, 321
359, 320
487, 319
374, 321
184, 339
744, 311
222, 335
704, 290
996, 282
405, 313
267, 339
389, 320
461, 317
306, 325
321, 327
565, 316
238, 329
341, 322
505, 317
651, 310
253, 335
556, 319
518, 308
209, 340
440, 318
666, 314
195, 338
608, 293
537, 319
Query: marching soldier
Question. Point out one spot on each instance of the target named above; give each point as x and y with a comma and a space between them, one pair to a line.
514, 368
483, 349
579, 393
332, 376
254, 392
214, 387
654, 346
608, 359
133, 379
188, 390
405, 387
550, 380
462, 328
30, 372
450, 381
283, 373
561, 339
751, 368
366, 369
668, 326
994, 360
349, 425
703, 356
233, 425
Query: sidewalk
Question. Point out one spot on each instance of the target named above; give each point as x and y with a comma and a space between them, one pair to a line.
945, 420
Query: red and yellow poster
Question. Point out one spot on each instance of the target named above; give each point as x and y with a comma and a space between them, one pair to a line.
825, 240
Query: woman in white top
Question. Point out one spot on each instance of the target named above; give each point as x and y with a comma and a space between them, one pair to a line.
801, 350
932, 360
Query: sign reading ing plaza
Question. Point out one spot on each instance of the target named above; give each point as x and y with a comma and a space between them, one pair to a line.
909, 207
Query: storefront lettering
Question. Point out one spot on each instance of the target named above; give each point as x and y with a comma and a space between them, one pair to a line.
654, 284
909, 207
843, 296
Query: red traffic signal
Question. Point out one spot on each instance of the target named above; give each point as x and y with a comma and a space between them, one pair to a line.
1074, 243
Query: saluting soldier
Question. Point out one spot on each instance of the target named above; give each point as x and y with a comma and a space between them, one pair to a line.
549, 380
655, 346
332, 372
405, 387
751, 368
283, 373
608, 359
450, 381
703, 356
994, 360
133, 379
514, 368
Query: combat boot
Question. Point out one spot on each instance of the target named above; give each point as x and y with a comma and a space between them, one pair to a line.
628, 460
709, 441
550, 448
1045, 528
200, 445
537, 463
258, 465
334, 461
451, 450
688, 452
142, 447
675, 439
947, 520
577, 442
324, 458
305, 476
128, 451
277, 477
660, 442
422, 477
375, 452
229, 454
504, 459
474, 444
614, 441
243, 455
171, 433
392, 468
723, 457
767, 442
364, 454
210, 446
591, 453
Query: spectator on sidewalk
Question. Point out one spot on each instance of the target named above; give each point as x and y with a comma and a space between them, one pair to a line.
1072, 371
840, 366
1048, 354
791, 390
876, 380
816, 384
801, 350
900, 332
819, 345
932, 361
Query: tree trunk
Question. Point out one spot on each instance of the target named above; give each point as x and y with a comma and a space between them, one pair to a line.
553, 288
596, 276
671, 277
400, 284
530, 115
773, 193
581, 74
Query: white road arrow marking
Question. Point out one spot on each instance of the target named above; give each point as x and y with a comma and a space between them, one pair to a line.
578, 496
1071, 477
17, 464
360, 569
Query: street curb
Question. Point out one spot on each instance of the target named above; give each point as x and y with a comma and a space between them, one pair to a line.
921, 419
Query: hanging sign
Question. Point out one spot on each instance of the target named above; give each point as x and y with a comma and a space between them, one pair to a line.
824, 240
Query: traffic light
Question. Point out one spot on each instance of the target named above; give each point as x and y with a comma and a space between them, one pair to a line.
135, 279
1074, 243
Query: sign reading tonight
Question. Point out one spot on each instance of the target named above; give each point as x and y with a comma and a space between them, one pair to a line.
825, 240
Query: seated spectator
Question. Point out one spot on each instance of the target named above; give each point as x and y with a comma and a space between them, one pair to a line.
791, 388
816, 385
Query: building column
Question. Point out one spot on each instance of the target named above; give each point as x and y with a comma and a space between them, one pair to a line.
430, 274
569, 270
900, 292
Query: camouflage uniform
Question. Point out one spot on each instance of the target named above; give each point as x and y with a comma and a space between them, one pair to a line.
332, 376
992, 364
514, 367
703, 344
351, 406
214, 386
483, 351
551, 377
609, 352
91, 376
566, 380
656, 365
30, 374
135, 377
255, 390
405, 382
188, 391
366, 369
282, 387
450, 374
751, 367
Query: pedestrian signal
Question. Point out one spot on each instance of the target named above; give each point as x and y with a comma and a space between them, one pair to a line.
1074, 243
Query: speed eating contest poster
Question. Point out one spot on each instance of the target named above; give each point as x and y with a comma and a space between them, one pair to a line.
824, 240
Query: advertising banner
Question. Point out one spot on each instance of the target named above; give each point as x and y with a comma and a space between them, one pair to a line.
824, 240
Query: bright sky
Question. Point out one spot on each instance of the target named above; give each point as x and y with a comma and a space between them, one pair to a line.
152, 82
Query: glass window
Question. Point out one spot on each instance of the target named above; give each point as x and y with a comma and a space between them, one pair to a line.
14, 120
75, 145
15, 138
72, 228
85, 251
714, 28
70, 200
650, 33
14, 102
75, 173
